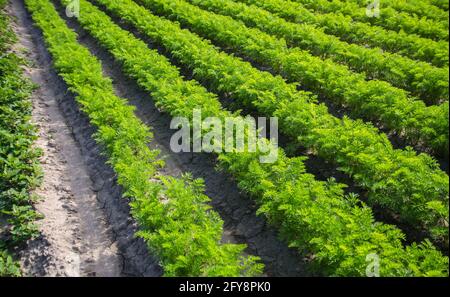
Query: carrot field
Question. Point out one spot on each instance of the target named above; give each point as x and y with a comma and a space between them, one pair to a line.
206, 138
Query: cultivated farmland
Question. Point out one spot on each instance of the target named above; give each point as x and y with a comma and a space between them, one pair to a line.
135, 138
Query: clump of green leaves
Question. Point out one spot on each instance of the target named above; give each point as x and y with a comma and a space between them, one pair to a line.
389, 18
8, 267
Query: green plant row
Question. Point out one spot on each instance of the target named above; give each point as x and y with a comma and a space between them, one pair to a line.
417, 8
442, 4
388, 18
172, 214
374, 100
289, 197
19, 160
421, 79
6, 36
409, 184
412, 46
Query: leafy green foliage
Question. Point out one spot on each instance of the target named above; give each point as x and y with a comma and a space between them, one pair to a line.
321, 220
417, 8
374, 100
287, 195
413, 46
392, 176
390, 18
8, 267
442, 4
21, 219
187, 244
19, 160
422, 79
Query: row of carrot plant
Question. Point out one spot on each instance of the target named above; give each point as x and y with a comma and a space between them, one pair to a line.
388, 18
19, 160
313, 216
